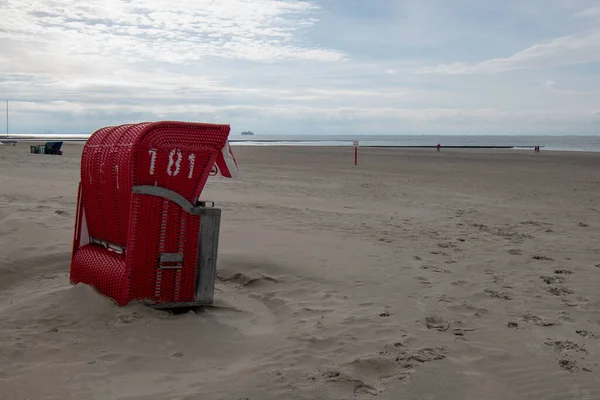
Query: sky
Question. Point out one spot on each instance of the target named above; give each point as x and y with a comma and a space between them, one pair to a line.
303, 67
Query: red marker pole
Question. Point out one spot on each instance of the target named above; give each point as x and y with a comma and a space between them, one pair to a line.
355, 152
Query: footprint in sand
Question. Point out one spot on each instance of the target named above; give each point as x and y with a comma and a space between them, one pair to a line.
127, 318
574, 303
365, 389
497, 295
553, 280
446, 299
437, 323
559, 291
459, 283
568, 365
385, 314
530, 222
563, 272
515, 252
563, 315
395, 363
441, 270
542, 258
571, 365
331, 375
586, 334
468, 309
358, 386
424, 355
563, 345
531, 318
423, 280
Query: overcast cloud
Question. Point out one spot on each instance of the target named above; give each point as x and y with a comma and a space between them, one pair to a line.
294, 67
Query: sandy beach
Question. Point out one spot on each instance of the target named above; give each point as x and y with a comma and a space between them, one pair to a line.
464, 274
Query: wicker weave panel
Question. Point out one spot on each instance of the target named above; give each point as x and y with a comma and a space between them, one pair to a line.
103, 269
177, 233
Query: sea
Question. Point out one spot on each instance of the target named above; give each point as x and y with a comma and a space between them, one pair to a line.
555, 143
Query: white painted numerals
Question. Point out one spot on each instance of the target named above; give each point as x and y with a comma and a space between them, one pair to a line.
174, 163
174, 166
191, 159
152, 153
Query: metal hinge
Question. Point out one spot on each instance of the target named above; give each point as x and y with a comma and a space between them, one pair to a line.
109, 246
171, 260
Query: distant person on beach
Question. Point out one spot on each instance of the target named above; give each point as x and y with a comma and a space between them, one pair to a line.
438, 147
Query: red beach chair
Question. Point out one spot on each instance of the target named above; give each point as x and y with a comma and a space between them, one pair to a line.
141, 232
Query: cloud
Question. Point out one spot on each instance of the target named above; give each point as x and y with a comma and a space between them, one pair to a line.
171, 32
590, 13
566, 50
301, 66
445, 115
551, 86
